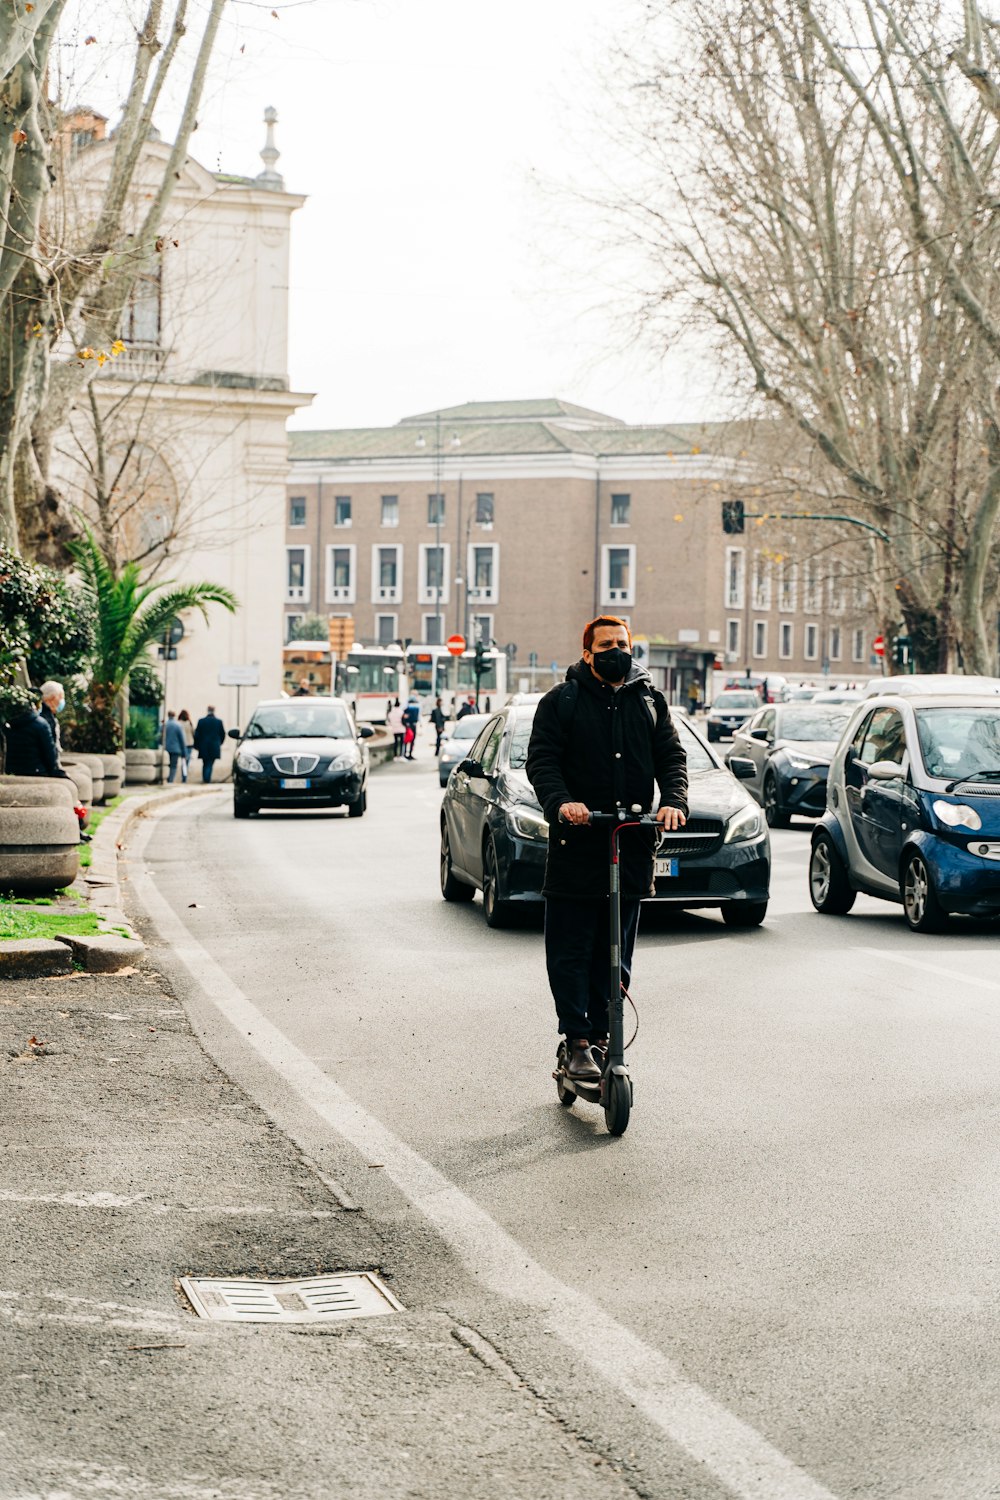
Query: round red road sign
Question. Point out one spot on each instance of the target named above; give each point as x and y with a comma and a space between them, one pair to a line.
878, 645
456, 644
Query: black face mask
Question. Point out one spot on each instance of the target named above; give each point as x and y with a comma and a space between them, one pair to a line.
613, 665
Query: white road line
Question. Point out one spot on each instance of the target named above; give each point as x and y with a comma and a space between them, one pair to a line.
734, 1452
929, 968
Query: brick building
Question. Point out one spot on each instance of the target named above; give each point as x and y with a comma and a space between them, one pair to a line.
519, 520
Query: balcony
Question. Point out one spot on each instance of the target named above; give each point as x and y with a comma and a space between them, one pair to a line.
297, 593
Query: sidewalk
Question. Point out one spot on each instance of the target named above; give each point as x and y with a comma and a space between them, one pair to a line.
131, 1160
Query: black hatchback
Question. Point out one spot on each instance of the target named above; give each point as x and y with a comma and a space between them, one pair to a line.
494, 835
301, 752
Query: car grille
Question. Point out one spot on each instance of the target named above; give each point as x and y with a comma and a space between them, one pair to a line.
295, 765
698, 836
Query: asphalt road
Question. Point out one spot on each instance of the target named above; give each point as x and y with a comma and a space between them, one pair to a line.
781, 1282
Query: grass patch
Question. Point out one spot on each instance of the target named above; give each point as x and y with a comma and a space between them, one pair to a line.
24, 919
97, 816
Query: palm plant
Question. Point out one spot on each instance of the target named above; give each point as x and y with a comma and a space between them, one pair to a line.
129, 617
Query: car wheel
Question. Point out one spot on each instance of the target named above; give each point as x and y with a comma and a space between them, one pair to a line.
451, 888
773, 812
359, 808
498, 912
829, 888
921, 907
744, 913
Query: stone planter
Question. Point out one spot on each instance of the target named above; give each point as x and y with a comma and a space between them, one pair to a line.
80, 776
114, 775
39, 836
142, 767
94, 764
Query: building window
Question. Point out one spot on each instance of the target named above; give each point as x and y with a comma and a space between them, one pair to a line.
297, 511
858, 646
810, 587
860, 594
621, 506
811, 650
340, 575
482, 629
484, 568
342, 510
735, 564
761, 581
387, 574
433, 577
435, 510
385, 629
835, 646
291, 620
788, 587
390, 510
760, 638
433, 630
141, 316
733, 640
296, 575
618, 575
835, 586
484, 510
785, 639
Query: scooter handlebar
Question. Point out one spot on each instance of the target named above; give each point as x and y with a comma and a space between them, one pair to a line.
621, 817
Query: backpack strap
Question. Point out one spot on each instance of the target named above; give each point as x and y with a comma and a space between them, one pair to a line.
569, 692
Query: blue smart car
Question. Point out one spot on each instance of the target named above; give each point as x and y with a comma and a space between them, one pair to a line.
913, 810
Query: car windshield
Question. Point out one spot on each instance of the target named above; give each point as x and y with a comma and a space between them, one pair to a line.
467, 728
698, 758
958, 742
519, 740
305, 722
812, 722
737, 700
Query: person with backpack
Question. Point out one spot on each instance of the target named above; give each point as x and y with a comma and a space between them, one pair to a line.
599, 741
411, 718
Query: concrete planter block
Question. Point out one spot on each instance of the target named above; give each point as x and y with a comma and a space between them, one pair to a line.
140, 758
36, 791
104, 954
113, 775
28, 958
141, 775
81, 778
94, 764
39, 848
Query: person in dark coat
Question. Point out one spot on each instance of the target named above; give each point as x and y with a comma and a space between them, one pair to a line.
468, 707
599, 741
209, 738
439, 720
30, 746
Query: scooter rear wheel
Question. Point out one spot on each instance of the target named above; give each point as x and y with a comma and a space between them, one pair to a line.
567, 1098
617, 1102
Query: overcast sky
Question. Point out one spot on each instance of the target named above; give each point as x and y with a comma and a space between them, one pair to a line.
430, 264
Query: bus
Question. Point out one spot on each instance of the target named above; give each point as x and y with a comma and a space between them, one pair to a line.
433, 672
370, 678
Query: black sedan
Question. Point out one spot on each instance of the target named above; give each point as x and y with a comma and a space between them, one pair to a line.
301, 752
791, 746
494, 834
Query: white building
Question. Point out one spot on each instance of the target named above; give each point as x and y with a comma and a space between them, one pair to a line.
194, 411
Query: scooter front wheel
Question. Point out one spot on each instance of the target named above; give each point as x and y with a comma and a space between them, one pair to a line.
617, 1102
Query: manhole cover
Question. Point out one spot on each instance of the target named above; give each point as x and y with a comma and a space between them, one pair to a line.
353, 1294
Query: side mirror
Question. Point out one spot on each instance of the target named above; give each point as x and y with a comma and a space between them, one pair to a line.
760, 734
365, 731
742, 768
470, 767
234, 734
885, 770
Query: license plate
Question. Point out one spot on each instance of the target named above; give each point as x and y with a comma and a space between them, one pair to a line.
296, 783
666, 866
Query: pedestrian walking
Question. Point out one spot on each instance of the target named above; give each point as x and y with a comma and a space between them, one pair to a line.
439, 720
411, 718
694, 695
209, 738
174, 744
184, 720
394, 724
598, 742
468, 707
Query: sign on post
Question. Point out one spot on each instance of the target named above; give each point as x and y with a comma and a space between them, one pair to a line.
455, 644
878, 645
248, 676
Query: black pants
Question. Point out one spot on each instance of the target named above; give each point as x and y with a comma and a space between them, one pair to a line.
578, 960
397, 744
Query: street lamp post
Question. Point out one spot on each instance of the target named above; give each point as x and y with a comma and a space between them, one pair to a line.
456, 442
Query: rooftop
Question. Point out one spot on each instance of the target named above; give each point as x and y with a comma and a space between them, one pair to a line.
548, 408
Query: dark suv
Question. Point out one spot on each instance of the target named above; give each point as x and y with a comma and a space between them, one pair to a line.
301, 752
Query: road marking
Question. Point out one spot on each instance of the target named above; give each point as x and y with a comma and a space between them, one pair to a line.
733, 1451
929, 968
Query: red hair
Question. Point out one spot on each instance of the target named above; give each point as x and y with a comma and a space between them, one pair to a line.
589, 631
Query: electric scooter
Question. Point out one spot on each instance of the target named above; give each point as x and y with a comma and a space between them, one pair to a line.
614, 1091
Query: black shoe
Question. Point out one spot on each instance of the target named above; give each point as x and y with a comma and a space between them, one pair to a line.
582, 1066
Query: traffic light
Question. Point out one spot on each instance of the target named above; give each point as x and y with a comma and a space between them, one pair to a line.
901, 651
733, 517
479, 665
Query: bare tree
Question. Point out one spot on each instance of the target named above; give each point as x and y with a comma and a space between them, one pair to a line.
56, 292
814, 191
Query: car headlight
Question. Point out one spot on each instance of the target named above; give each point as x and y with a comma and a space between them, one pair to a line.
957, 815
744, 825
347, 760
247, 761
528, 823
804, 762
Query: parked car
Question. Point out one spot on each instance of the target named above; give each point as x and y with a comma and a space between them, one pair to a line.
922, 683
494, 834
301, 752
839, 695
771, 687
729, 711
455, 743
913, 810
791, 746
801, 694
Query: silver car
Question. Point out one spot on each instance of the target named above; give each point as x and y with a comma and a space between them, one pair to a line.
456, 742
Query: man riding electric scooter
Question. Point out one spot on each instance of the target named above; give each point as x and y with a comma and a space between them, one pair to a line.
598, 742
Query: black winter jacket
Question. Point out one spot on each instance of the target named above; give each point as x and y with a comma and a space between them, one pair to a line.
31, 750
608, 756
